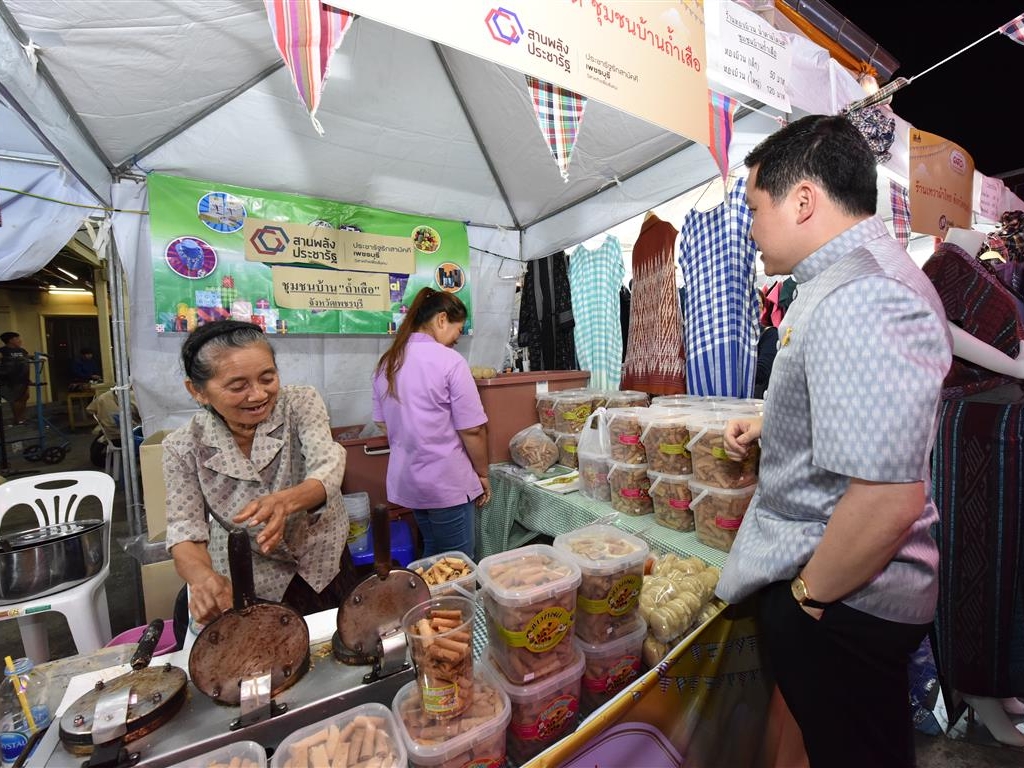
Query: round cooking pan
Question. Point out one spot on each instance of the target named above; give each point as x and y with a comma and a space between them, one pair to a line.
252, 639
157, 693
380, 600
45, 560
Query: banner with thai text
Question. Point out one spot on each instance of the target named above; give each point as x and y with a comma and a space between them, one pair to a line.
941, 184
645, 57
293, 264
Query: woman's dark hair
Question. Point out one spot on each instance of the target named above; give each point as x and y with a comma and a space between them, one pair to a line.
827, 149
427, 304
203, 346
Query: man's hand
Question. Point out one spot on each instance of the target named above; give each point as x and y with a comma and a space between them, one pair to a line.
738, 436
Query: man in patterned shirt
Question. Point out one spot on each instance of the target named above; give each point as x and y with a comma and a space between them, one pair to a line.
836, 542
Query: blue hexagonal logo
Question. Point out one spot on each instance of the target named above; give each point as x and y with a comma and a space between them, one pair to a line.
504, 26
269, 240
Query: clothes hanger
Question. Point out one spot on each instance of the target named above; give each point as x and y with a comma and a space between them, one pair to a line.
648, 216
991, 255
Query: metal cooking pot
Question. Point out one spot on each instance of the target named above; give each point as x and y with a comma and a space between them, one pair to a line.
45, 560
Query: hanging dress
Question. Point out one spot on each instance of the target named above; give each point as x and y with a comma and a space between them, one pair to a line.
654, 349
545, 315
595, 277
717, 257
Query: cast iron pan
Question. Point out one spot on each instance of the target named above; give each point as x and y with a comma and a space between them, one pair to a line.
252, 639
158, 693
378, 601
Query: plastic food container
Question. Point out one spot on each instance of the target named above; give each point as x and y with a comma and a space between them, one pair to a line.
447, 573
546, 409
571, 410
542, 711
240, 754
624, 428
711, 464
529, 597
671, 497
440, 636
594, 475
664, 436
611, 564
476, 738
360, 733
628, 485
626, 398
676, 401
566, 444
611, 666
357, 505
718, 512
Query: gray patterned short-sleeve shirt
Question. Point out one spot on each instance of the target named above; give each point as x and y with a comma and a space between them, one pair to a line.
855, 391
208, 476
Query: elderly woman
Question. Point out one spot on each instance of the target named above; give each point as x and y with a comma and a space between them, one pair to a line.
258, 457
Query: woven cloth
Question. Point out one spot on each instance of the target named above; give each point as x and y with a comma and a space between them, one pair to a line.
595, 277
717, 257
559, 115
975, 300
720, 114
307, 33
1015, 29
899, 201
978, 476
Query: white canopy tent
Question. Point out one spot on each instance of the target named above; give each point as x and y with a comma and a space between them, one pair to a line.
196, 88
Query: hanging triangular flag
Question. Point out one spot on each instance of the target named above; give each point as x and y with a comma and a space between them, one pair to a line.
720, 115
899, 201
1015, 29
307, 33
559, 115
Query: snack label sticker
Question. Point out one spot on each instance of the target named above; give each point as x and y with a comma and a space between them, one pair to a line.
719, 453
543, 632
679, 503
486, 762
622, 597
728, 523
629, 439
578, 414
622, 673
557, 715
440, 700
672, 449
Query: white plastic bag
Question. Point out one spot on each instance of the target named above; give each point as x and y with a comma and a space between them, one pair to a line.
595, 439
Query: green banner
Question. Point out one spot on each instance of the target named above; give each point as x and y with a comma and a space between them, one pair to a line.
291, 263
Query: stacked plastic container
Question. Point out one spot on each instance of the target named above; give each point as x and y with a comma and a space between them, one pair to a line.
628, 483
364, 735
608, 625
720, 488
664, 435
357, 505
529, 597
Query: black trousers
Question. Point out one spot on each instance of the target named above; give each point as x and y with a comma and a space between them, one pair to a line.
844, 678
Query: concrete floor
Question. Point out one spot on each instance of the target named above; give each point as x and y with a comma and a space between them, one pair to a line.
967, 745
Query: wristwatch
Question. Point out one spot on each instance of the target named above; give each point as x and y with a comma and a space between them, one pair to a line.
800, 594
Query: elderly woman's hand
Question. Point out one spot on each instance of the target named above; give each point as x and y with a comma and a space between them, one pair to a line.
209, 597
271, 512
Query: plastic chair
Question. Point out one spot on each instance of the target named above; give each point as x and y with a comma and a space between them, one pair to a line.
56, 498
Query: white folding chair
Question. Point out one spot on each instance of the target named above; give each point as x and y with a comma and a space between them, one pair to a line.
56, 498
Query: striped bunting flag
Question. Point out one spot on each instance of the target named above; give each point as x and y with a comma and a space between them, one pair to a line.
559, 115
720, 115
1015, 29
307, 33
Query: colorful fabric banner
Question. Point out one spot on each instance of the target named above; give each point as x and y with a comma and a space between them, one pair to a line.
1015, 29
899, 200
559, 115
721, 113
307, 33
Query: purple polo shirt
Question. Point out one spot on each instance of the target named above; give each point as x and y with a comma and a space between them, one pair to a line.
428, 467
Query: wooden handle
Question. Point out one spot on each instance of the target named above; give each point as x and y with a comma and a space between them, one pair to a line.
243, 590
147, 644
381, 527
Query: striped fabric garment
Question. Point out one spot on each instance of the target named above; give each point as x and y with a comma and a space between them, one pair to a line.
720, 115
560, 116
307, 33
595, 277
654, 349
900, 203
717, 257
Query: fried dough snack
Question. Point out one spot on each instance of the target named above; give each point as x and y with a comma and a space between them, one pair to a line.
445, 569
717, 519
597, 618
671, 496
531, 449
664, 439
571, 411
443, 655
628, 485
486, 707
546, 410
711, 465
624, 428
362, 743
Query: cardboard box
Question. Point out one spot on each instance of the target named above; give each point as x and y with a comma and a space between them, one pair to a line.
160, 586
154, 492
510, 402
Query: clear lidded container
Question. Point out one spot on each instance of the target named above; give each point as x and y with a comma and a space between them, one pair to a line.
629, 487
671, 497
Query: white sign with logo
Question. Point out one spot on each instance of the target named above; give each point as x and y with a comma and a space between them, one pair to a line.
747, 54
645, 57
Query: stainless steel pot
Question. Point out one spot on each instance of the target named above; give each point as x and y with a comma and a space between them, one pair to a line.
45, 560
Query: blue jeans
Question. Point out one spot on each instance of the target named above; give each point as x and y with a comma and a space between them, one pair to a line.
450, 529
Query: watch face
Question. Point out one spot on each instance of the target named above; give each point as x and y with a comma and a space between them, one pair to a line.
799, 589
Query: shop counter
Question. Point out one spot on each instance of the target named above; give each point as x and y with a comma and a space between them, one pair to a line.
519, 511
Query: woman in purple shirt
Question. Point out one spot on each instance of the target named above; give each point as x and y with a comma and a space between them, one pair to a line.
425, 400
